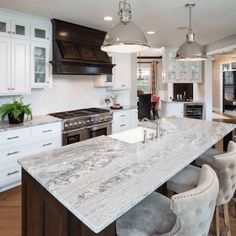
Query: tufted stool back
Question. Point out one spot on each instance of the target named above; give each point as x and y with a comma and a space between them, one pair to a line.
225, 167
195, 208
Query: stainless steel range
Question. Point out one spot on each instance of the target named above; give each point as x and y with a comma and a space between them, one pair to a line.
82, 124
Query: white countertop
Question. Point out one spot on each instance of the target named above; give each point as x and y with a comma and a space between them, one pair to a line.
37, 120
175, 101
100, 179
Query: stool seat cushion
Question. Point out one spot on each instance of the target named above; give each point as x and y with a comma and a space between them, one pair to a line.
207, 157
185, 180
152, 216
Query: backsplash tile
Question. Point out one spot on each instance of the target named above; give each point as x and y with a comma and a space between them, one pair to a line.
67, 93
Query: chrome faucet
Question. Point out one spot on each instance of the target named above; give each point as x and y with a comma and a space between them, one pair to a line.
157, 122
145, 138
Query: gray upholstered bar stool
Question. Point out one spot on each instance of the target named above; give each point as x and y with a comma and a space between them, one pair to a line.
207, 157
186, 214
225, 167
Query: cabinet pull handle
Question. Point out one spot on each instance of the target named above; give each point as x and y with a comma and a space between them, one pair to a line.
46, 144
12, 137
122, 115
8, 32
12, 153
122, 125
12, 88
46, 131
14, 172
13, 32
47, 37
123, 85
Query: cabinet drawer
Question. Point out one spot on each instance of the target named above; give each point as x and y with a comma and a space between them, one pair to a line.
48, 144
11, 174
121, 115
15, 135
45, 130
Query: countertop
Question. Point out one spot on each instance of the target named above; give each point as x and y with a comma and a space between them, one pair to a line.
37, 120
100, 179
171, 101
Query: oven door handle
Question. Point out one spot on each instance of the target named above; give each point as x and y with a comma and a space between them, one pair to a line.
72, 131
98, 126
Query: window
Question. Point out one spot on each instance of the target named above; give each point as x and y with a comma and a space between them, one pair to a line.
144, 77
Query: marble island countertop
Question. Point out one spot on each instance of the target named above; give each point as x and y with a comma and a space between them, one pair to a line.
100, 179
37, 120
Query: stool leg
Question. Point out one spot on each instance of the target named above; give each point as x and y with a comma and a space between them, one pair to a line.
217, 221
226, 219
234, 200
170, 193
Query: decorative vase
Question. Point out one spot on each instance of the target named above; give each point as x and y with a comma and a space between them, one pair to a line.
12, 120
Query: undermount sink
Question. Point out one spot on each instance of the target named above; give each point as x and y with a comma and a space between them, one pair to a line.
135, 135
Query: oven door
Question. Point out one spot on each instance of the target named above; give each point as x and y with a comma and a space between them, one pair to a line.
74, 136
98, 130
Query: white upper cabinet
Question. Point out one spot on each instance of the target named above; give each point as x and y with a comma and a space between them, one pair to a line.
40, 72
40, 32
5, 26
25, 46
5, 60
20, 73
121, 77
180, 71
20, 29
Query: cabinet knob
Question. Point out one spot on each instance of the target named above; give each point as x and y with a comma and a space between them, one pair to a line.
48, 38
8, 32
13, 32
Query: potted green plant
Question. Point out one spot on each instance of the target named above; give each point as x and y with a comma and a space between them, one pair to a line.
15, 111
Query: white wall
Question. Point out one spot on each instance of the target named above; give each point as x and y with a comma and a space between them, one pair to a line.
67, 93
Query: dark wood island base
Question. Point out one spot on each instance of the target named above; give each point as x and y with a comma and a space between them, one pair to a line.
43, 215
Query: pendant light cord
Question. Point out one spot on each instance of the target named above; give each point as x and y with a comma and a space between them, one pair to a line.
190, 34
190, 18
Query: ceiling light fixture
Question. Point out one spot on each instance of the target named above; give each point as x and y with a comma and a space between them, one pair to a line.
108, 18
125, 36
151, 32
190, 50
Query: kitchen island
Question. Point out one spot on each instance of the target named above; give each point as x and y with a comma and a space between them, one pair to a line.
81, 189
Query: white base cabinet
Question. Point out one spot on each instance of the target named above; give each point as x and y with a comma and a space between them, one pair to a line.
124, 120
16, 144
172, 109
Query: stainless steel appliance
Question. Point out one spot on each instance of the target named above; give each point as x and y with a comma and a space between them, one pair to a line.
82, 124
194, 110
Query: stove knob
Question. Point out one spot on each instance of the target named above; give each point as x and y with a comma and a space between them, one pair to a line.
96, 120
66, 125
102, 118
88, 121
92, 120
84, 122
75, 123
80, 122
71, 124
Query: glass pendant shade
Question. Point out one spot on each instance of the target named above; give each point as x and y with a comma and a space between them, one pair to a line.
125, 36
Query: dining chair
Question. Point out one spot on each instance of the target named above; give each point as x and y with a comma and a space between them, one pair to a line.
144, 106
185, 214
225, 168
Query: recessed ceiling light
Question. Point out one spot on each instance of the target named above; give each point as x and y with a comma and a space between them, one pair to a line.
108, 18
151, 32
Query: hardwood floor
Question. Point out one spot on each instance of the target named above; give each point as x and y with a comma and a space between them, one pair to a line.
10, 214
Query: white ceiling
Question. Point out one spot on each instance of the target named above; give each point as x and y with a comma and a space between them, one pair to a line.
212, 19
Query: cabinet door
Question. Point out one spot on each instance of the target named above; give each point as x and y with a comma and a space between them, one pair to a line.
5, 60
40, 32
20, 29
171, 69
183, 72
122, 72
20, 72
40, 66
5, 26
196, 72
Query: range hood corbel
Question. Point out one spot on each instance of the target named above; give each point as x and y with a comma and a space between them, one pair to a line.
76, 50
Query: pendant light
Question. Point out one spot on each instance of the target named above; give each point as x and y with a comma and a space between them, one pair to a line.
190, 50
125, 36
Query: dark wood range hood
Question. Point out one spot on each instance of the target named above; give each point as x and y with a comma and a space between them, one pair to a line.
76, 50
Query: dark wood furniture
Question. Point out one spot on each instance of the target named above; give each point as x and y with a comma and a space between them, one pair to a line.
76, 50
44, 215
144, 106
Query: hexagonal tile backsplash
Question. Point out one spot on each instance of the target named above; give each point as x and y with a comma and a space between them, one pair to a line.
67, 93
